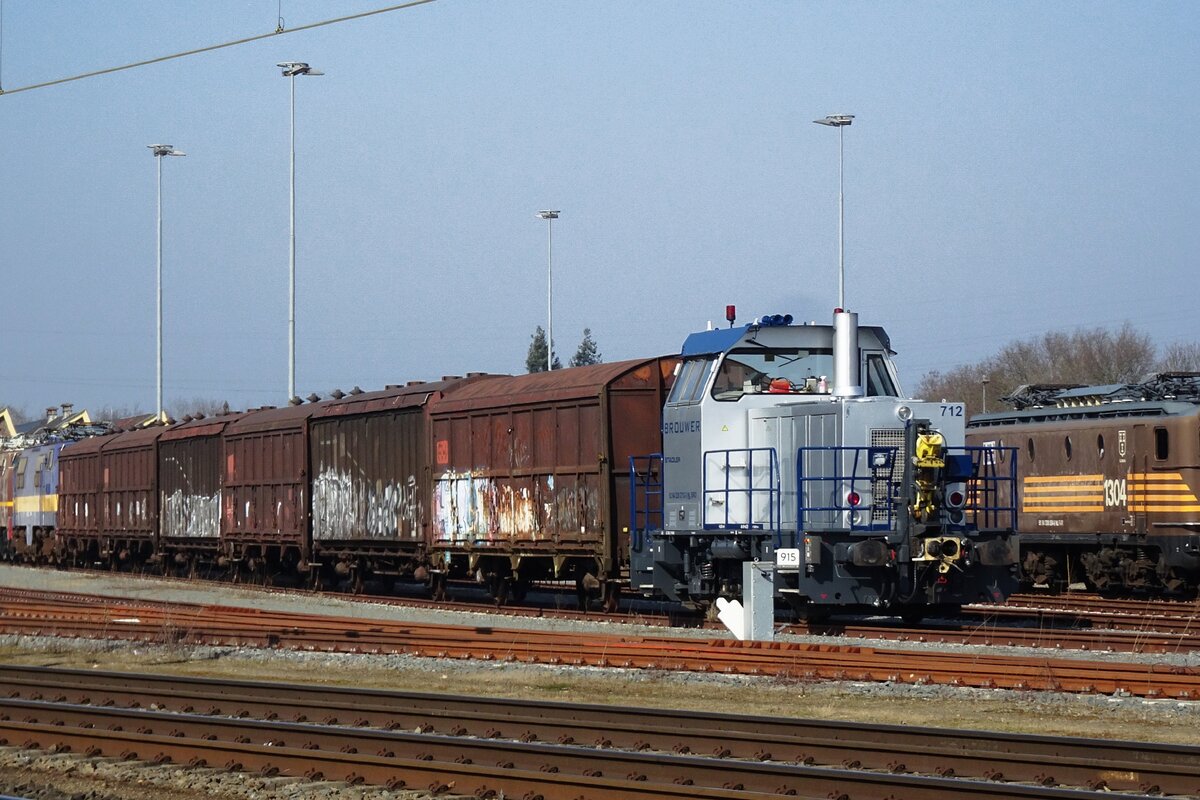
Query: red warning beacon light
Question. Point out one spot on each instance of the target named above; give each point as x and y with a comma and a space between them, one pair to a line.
731, 314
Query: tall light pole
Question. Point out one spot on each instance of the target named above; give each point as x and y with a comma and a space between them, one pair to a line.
840, 121
549, 216
985, 381
290, 70
160, 151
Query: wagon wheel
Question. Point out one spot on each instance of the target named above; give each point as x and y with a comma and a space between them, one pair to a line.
437, 586
612, 597
518, 588
499, 586
316, 581
581, 594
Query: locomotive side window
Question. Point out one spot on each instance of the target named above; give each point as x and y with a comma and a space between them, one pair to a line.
20, 484
1067, 446
879, 382
702, 375
1029, 447
1100, 445
1162, 444
690, 383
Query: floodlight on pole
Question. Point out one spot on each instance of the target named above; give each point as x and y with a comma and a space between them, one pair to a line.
290, 70
840, 121
549, 216
160, 151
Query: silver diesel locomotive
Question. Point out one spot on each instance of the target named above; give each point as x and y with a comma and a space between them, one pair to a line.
792, 445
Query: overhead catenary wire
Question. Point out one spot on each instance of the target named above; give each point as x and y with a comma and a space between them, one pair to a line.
208, 49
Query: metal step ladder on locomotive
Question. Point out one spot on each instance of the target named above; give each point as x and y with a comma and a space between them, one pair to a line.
853, 495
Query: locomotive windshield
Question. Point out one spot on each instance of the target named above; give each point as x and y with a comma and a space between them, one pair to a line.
790, 370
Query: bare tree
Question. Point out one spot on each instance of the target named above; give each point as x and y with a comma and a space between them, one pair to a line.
1180, 357
112, 413
1088, 357
207, 406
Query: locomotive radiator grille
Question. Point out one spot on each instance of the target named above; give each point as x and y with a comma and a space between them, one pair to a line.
884, 479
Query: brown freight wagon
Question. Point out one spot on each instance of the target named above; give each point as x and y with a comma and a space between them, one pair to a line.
264, 500
371, 481
79, 482
108, 499
191, 473
531, 474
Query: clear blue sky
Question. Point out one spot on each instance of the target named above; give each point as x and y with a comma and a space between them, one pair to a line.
1014, 167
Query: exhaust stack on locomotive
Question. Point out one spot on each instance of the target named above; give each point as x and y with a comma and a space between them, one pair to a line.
792, 444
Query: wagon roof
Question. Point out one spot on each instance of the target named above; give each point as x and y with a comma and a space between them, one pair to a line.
394, 397
87, 446
272, 419
208, 426
130, 439
558, 385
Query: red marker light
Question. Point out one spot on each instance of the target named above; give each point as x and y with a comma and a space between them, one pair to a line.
730, 313
853, 499
956, 499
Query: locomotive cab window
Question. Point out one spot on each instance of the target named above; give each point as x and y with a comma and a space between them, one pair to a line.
689, 385
1162, 444
879, 380
20, 477
773, 370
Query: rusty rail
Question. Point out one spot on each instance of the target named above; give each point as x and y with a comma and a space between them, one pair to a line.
480, 766
1096, 764
86, 616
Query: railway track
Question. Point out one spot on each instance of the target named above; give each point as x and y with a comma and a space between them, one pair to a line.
485, 747
1060, 622
62, 614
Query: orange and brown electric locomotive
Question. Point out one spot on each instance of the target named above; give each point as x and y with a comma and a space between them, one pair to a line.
1108, 481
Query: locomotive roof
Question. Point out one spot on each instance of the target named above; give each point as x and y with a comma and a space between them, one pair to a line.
721, 340
1160, 394
560, 384
1157, 408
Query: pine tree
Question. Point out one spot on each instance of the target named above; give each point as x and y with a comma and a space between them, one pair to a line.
588, 353
535, 361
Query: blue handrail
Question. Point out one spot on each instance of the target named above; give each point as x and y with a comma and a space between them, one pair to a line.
647, 482
991, 496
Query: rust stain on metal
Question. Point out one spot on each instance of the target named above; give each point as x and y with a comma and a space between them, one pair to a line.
469, 508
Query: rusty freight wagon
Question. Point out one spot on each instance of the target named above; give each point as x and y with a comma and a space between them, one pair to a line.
265, 496
191, 475
369, 454
108, 499
531, 474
